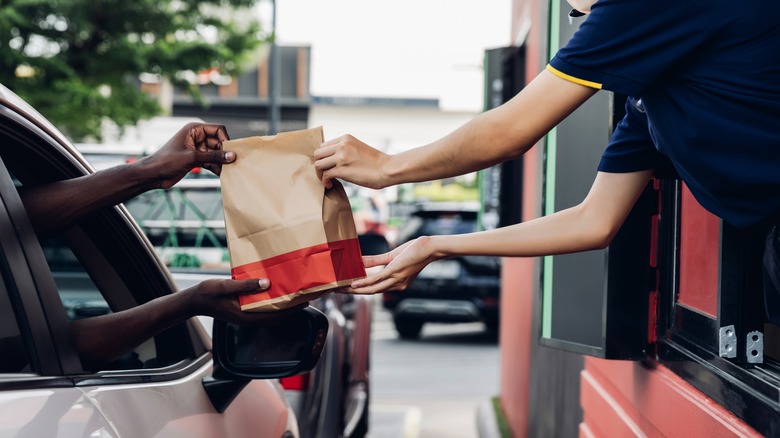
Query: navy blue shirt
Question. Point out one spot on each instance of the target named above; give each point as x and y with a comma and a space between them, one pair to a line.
706, 75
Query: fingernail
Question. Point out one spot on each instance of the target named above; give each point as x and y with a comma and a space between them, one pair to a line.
263, 283
230, 156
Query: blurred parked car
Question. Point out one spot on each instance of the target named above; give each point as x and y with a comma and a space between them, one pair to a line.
187, 228
458, 289
168, 385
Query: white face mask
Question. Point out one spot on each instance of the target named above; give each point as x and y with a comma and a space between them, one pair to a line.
581, 5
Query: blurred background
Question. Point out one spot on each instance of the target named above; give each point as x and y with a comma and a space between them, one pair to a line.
119, 78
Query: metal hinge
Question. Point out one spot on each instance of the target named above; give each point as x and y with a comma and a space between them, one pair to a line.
728, 342
754, 351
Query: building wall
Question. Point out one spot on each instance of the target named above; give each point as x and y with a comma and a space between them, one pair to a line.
520, 275
621, 398
389, 128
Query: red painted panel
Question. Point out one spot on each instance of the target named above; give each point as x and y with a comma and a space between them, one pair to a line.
515, 341
519, 284
622, 398
608, 412
585, 431
699, 252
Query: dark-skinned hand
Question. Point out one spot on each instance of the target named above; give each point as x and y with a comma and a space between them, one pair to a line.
194, 145
219, 299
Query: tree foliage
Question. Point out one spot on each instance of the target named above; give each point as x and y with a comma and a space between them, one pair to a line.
78, 61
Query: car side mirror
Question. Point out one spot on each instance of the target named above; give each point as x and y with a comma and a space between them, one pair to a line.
278, 348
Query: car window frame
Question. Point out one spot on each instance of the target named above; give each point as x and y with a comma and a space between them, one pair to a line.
69, 163
38, 334
31, 272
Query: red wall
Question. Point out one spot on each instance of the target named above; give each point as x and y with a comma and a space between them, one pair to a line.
625, 399
515, 338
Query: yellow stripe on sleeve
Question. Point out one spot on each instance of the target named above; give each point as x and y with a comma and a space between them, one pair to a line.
571, 78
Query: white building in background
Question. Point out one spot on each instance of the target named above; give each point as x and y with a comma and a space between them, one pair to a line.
395, 74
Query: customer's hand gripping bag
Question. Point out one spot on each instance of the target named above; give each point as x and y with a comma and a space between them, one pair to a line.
282, 224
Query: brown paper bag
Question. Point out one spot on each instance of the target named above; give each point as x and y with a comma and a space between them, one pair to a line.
283, 225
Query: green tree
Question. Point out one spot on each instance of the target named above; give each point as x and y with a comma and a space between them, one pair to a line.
78, 61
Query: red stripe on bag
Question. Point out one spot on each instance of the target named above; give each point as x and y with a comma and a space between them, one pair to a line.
303, 269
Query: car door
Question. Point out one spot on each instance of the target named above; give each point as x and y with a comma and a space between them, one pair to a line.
36, 398
104, 264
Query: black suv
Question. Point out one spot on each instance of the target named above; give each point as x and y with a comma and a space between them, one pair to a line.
458, 289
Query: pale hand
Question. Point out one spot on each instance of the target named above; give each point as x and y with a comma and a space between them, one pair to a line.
352, 160
402, 266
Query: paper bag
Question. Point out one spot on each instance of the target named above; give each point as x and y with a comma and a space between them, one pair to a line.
282, 224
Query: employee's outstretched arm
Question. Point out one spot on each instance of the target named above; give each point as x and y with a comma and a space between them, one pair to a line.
492, 137
589, 225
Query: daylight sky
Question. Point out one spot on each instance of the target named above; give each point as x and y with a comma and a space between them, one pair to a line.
400, 49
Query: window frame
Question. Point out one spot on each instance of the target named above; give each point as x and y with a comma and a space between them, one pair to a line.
47, 315
53, 345
36, 331
688, 341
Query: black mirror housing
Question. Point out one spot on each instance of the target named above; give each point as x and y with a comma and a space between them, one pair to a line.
280, 348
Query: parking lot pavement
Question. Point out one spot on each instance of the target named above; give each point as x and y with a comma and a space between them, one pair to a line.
431, 387
382, 324
394, 421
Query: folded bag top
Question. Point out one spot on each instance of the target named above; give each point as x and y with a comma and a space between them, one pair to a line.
282, 224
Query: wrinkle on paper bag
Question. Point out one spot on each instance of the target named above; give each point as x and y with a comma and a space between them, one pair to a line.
282, 224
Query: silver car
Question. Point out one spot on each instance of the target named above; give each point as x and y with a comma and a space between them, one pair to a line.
169, 385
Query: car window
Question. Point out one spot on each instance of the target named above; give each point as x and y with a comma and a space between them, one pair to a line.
102, 265
82, 298
185, 223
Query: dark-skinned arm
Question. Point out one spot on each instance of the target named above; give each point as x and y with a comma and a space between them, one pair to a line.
57, 206
131, 327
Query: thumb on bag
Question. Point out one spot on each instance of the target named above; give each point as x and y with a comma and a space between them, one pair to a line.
214, 157
213, 160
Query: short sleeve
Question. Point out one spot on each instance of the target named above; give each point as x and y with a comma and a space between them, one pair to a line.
631, 148
627, 45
